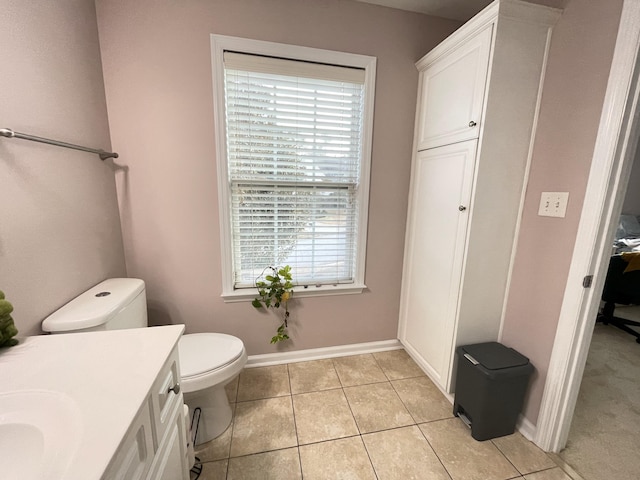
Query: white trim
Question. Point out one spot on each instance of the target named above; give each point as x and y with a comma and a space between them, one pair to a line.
613, 154
525, 182
248, 294
526, 428
220, 43
321, 353
514, 9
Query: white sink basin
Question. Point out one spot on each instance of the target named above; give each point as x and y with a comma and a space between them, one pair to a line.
40, 432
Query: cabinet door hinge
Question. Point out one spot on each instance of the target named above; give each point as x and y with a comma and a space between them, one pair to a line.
587, 281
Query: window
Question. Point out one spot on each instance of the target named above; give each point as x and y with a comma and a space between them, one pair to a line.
294, 133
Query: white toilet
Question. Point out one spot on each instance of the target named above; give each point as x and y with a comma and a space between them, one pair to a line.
208, 361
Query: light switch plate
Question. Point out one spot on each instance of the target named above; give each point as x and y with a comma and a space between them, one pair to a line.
553, 204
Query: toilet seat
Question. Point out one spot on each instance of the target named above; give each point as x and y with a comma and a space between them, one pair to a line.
208, 359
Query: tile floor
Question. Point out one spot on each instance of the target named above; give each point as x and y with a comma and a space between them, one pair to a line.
373, 416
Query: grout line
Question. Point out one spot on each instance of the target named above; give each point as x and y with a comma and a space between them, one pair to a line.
333, 364
335, 370
295, 424
233, 425
403, 404
351, 410
380, 367
434, 451
373, 467
520, 474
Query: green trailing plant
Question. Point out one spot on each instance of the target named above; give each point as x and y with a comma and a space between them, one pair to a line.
275, 291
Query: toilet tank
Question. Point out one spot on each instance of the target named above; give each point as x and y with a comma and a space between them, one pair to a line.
114, 304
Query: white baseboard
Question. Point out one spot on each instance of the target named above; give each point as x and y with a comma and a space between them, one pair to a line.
526, 428
321, 353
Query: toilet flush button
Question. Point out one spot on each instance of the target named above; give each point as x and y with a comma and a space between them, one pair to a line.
103, 294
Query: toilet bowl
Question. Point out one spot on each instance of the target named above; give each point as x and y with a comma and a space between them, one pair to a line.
208, 361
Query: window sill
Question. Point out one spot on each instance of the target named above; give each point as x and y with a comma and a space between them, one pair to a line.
248, 294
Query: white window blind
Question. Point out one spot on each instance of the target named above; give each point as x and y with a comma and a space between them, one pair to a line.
294, 148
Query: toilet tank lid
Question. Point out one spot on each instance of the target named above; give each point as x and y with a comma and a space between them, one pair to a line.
94, 307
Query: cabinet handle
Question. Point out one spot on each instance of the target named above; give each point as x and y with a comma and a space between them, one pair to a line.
175, 389
462, 208
472, 123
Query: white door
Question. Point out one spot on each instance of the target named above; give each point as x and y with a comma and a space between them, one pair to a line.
439, 204
452, 93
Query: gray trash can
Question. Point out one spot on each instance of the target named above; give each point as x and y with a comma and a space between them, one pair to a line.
491, 382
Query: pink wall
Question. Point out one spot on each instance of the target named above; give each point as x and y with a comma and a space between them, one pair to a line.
577, 73
59, 223
157, 70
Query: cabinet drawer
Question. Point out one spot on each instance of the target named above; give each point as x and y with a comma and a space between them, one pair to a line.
166, 396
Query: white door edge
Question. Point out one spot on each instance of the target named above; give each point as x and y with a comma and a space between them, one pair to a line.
615, 147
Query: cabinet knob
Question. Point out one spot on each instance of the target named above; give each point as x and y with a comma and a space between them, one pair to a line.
175, 389
472, 123
462, 208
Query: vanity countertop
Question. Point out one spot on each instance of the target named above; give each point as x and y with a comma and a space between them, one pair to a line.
105, 375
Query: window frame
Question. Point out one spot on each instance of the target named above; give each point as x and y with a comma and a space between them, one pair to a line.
222, 43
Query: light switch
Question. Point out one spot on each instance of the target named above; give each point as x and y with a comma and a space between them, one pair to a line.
553, 204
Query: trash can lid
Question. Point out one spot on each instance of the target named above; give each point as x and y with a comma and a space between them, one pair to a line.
494, 355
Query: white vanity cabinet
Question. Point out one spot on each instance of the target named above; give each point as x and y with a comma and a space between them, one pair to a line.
114, 397
478, 98
155, 445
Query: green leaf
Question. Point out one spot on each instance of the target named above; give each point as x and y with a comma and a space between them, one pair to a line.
271, 289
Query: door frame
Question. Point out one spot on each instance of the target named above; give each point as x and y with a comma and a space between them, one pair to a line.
613, 157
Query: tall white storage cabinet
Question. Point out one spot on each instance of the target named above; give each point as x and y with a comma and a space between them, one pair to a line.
478, 98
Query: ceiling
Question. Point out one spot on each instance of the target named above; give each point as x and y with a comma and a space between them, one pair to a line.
461, 10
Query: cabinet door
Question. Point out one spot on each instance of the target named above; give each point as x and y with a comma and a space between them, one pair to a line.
441, 185
133, 459
452, 93
170, 462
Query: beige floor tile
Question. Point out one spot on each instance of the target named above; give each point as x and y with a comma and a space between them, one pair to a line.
523, 454
213, 471
358, 370
277, 465
232, 390
344, 459
403, 454
463, 457
423, 399
377, 407
263, 382
551, 474
397, 364
568, 469
313, 376
263, 425
323, 416
216, 449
